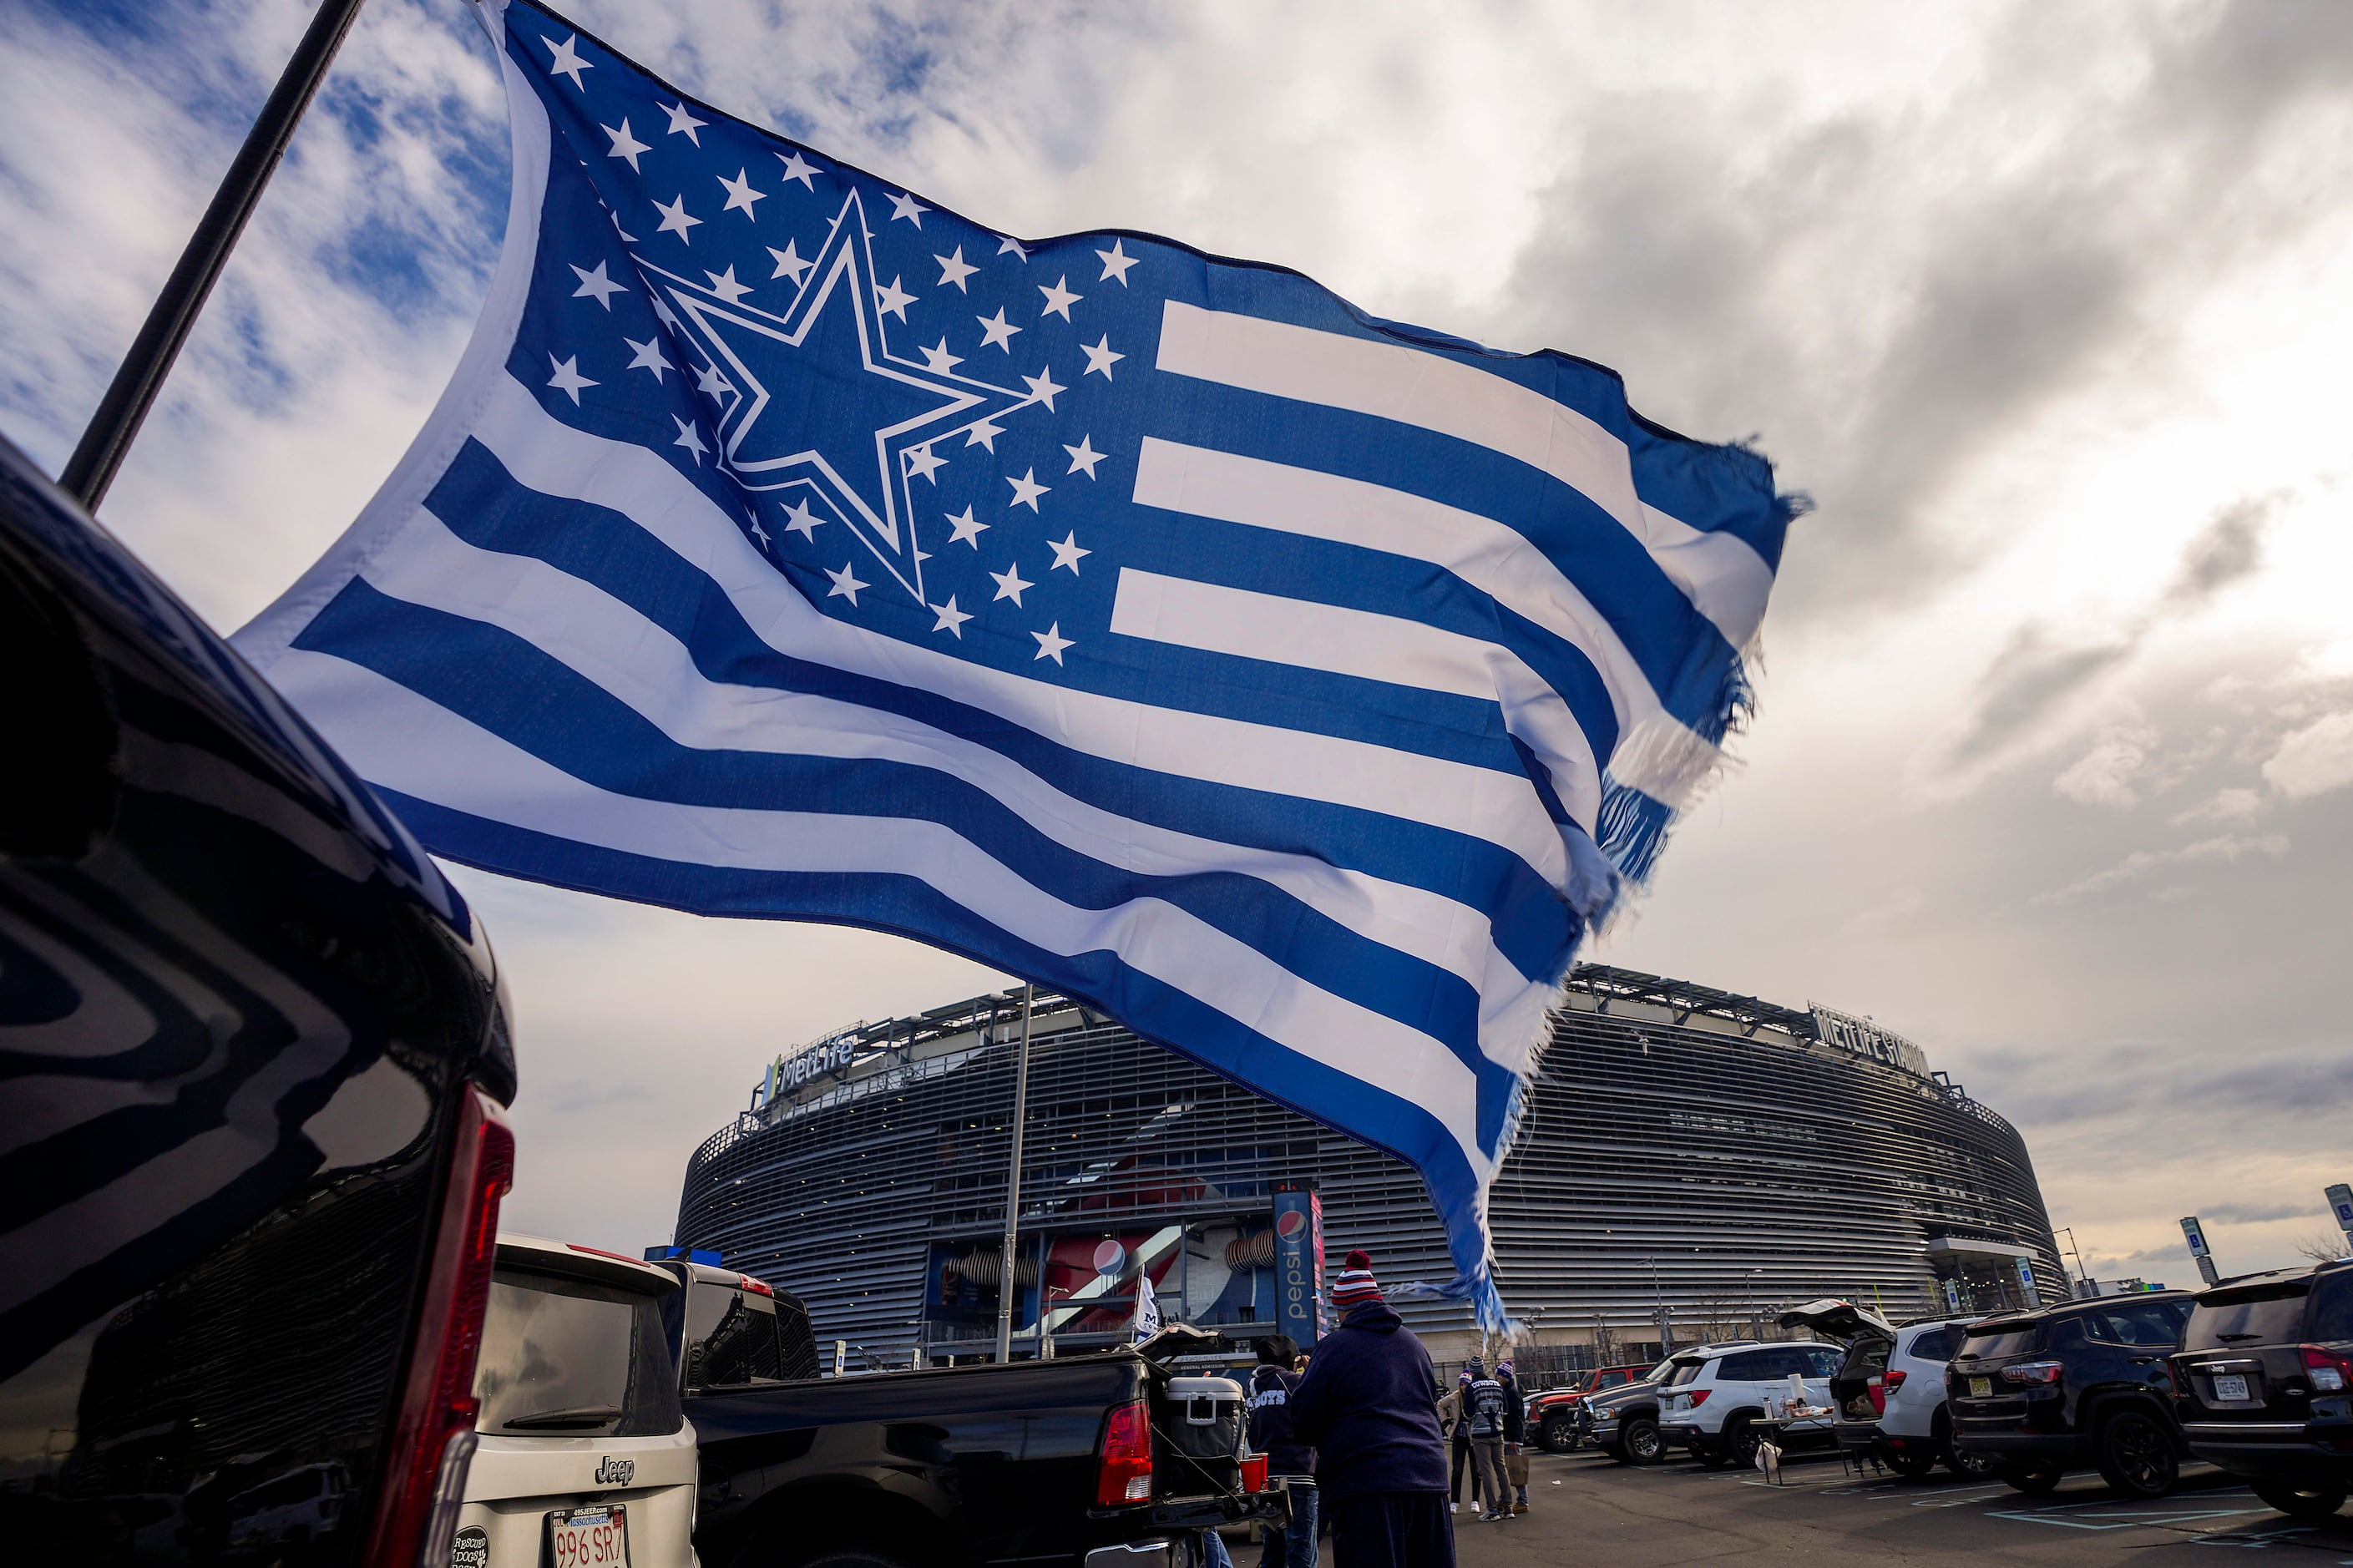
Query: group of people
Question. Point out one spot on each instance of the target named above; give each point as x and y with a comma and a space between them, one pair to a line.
1362, 1437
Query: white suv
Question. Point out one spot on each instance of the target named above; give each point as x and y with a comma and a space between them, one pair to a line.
1712, 1400
1891, 1399
585, 1457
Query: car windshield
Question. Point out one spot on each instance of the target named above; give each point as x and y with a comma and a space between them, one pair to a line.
564, 1358
2265, 1315
1999, 1339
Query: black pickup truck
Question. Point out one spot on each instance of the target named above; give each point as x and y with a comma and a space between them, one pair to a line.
1086, 1461
252, 1060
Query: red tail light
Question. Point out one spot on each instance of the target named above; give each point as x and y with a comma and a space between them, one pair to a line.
433, 1434
1893, 1379
2034, 1372
757, 1287
1698, 1396
2331, 1371
1124, 1475
1253, 1472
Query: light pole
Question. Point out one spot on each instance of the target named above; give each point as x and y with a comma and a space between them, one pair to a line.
2081, 1273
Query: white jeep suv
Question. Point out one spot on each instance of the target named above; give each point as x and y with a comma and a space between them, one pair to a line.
585, 1459
1712, 1401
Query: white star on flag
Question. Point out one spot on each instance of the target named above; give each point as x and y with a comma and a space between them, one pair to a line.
1117, 262
788, 263
648, 355
689, 439
1101, 357
997, 329
1010, 585
567, 60
904, 205
804, 522
951, 619
1067, 552
625, 145
724, 284
1026, 491
676, 219
965, 527
681, 122
844, 584
1051, 642
1059, 299
740, 193
955, 270
1083, 456
568, 379
594, 285
798, 168
893, 301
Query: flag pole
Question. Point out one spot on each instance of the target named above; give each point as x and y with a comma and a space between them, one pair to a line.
136, 382
1006, 1284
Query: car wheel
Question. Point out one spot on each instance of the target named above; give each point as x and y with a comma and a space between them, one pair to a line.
1644, 1444
2136, 1455
2298, 1502
1912, 1464
2035, 1480
1741, 1442
1970, 1466
1558, 1435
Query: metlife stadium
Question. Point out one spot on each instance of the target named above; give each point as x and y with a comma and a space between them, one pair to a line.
1691, 1161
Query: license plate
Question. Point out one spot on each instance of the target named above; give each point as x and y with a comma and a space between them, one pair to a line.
1980, 1388
588, 1537
2228, 1387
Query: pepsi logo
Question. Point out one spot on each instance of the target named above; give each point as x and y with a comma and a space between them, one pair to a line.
1109, 1256
1290, 1223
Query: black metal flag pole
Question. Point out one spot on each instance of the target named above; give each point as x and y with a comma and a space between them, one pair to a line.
112, 429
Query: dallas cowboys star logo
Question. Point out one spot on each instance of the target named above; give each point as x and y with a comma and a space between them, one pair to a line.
813, 450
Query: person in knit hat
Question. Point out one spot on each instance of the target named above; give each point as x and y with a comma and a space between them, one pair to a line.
1369, 1403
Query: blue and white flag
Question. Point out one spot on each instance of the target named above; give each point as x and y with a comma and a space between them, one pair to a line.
1296, 687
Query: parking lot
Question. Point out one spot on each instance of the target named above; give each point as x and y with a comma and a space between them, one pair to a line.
1586, 1510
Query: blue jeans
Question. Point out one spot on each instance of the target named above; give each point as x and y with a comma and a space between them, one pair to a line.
1293, 1546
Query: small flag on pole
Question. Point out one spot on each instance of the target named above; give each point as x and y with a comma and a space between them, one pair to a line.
1294, 686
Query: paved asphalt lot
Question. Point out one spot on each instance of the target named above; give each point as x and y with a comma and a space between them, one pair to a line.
1599, 1512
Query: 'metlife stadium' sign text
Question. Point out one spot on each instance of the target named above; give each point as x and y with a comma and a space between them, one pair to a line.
784, 1076
1865, 1038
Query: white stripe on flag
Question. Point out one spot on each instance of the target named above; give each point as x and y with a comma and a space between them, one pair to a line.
1656, 753
548, 456
402, 741
1373, 646
1725, 580
647, 670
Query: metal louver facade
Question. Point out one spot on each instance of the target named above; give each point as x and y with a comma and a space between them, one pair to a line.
1687, 1153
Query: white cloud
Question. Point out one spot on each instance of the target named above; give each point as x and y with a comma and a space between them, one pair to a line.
2104, 775
2228, 805
2314, 760
2226, 847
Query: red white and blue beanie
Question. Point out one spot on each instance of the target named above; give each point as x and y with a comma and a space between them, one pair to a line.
1355, 1285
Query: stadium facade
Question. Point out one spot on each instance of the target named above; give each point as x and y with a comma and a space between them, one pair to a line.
1691, 1161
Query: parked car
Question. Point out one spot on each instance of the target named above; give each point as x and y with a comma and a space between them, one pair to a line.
1713, 1398
1558, 1417
1890, 1396
1625, 1419
1092, 1461
259, 1056
2264, 1380
2084, 1384
585, 1457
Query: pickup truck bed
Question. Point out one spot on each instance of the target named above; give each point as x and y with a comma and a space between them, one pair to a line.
952, 1466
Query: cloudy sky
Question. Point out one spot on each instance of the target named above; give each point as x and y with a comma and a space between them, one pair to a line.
2045, 305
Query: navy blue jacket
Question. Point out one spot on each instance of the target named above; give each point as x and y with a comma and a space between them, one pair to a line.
1367, 1405
1270, 1422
